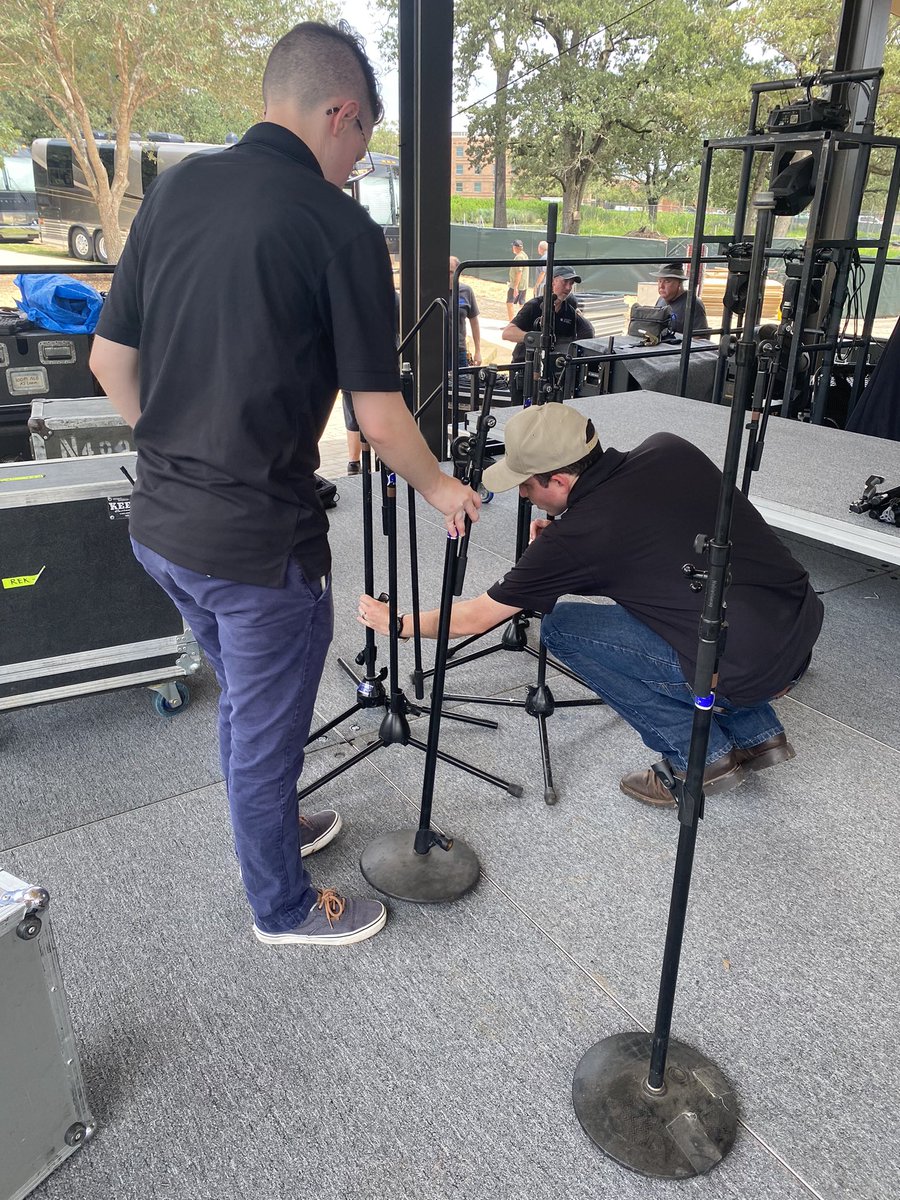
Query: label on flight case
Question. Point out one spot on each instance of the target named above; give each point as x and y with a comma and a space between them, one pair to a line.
17, 581
119, 507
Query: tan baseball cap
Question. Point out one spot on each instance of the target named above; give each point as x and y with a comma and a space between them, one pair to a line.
541, 438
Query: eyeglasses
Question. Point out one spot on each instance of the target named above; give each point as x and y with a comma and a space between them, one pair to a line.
365, 164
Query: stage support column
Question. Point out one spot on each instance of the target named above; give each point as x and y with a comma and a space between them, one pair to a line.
426, 72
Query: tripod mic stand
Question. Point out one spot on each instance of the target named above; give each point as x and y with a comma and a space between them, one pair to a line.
539, 701
370, 691
402, 864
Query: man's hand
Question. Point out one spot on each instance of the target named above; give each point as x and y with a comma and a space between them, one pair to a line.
374, 614
455, 500
537, 527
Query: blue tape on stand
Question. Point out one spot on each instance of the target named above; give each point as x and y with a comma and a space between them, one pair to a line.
705, 702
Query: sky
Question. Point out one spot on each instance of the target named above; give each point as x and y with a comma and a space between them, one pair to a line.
362, 15
365, 19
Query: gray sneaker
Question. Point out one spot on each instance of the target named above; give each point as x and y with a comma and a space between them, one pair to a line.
332, 921
318, 829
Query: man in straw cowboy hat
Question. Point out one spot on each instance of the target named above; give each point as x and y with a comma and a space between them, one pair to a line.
670, 281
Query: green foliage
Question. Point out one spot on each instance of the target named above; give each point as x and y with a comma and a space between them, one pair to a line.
98, 64
386, 139
532, 214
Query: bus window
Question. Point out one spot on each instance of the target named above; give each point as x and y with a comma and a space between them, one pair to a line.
376, 197
149, 163
59, 166
108, 158
19, 174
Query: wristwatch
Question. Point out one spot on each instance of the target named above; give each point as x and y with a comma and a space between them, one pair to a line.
400, 617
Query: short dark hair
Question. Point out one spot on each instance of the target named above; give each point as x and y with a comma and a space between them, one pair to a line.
312, 59
575, 468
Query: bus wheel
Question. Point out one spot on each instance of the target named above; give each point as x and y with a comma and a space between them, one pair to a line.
81, 244
100, 246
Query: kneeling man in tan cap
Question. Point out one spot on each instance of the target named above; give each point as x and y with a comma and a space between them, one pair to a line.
619, 525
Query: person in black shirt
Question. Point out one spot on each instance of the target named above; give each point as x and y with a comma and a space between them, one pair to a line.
566, 323
623, 523
670, 281
250, 289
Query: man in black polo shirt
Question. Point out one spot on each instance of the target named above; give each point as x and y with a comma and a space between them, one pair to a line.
250, 289
566, 322
623, 524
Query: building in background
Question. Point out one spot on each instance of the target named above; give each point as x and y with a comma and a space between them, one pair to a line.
465, 178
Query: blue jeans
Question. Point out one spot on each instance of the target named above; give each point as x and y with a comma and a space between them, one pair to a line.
267, 647
639, 675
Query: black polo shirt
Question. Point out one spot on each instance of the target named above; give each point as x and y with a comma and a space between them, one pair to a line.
629, 528
566, 324
253, 289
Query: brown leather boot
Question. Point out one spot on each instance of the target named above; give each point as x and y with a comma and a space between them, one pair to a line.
769, 753
723, 775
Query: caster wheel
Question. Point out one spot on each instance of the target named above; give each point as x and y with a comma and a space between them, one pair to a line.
28, 928
76, 1134
486, 496
164, 708
550, 796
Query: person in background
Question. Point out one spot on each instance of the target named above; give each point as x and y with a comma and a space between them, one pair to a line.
542, 273
468, 311
670, 281
567, 323
518, 280
224, 513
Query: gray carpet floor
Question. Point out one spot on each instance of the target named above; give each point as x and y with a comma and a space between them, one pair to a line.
437, 1059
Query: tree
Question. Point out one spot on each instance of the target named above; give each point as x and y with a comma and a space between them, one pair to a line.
94, 64
658, 144
568, 101
483, 31
386, 139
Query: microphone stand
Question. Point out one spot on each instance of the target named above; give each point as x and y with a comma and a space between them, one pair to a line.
370, 691
654, 1104
402, 864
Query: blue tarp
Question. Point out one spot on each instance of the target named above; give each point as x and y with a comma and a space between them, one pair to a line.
59, 303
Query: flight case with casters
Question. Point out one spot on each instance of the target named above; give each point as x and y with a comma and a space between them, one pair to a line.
77, 428
44, 1115
78, 613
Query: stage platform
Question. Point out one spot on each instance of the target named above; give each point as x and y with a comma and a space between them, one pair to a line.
437, 1059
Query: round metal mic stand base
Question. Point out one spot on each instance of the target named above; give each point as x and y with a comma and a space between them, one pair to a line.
391, 864
682, 1131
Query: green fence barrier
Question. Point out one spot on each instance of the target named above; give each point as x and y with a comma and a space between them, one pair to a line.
470, 242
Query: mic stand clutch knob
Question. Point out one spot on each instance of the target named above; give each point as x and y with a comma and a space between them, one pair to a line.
697, 578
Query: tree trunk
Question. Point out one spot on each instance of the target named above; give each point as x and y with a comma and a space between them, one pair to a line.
501, 142
500, 188
652, 210
573, 193
109, 222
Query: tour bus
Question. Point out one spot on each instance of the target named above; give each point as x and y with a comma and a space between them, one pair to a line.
67, 213
68, 216
18, 211
377, 189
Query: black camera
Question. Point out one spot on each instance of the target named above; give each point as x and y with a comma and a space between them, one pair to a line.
807, 116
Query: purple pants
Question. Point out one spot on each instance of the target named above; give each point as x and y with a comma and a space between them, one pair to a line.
267, 647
